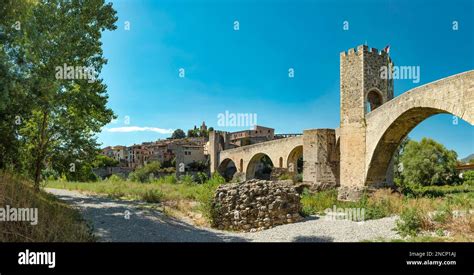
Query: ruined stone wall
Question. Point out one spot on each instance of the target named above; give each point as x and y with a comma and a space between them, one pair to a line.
255, 205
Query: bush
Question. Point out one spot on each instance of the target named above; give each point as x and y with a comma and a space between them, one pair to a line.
375, 209
318, 202
468, 177
146, 172
437, 191
200, 177
206, 194
443, 213
410, 222
115, 178
186, 179
152, 195
171, 179
49, 174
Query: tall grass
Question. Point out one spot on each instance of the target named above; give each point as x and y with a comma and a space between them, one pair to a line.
57, 221
418, 214
385, 202
378, 205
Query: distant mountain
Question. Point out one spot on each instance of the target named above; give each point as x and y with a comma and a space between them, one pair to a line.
466, 159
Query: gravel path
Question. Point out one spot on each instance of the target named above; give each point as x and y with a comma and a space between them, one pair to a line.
109, 219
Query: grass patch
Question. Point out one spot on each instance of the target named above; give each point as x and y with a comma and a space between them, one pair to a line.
57, 221
380, 204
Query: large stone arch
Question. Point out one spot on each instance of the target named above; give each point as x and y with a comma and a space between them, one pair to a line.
253, 164
391, 122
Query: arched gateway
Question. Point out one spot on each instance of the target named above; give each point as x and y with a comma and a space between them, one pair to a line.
373, 123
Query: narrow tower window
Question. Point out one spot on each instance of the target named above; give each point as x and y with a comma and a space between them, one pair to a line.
374, 100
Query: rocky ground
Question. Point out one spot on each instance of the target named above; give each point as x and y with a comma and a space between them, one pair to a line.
128, 221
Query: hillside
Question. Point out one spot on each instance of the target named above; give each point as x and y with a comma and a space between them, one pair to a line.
466, 159
29, 216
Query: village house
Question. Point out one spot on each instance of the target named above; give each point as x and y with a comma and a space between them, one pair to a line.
256, 135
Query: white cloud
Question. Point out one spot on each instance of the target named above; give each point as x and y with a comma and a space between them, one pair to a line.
130, 129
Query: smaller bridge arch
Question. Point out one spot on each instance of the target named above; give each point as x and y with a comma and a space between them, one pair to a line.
292, 160
277, 151
227, 168
260, 163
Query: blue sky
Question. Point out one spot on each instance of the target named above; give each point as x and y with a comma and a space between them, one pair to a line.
246, 71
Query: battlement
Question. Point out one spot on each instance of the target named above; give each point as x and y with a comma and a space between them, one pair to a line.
366, 50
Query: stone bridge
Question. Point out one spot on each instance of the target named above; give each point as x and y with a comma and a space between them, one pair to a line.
282, 152
373, 123
391, 122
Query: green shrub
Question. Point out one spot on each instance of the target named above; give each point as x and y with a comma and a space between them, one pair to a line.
206, 192
186, 179
318, 202
115, 178
375, 209
171, 179
443, 213
49, 174
145, 173
439, 191
200, 177
468, 176
410, 222
152, 195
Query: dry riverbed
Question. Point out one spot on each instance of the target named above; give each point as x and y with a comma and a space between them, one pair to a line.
131, 221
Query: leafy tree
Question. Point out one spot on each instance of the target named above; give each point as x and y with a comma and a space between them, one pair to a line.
198, 166
143, 174
65, 113
104, 161
178, 134
397, 165
428, 163
14, 103
193, 133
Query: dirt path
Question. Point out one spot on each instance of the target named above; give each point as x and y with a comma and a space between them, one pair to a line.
126, 221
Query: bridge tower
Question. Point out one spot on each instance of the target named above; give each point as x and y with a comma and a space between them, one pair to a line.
365, 84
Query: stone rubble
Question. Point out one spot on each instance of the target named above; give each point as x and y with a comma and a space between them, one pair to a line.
255, 205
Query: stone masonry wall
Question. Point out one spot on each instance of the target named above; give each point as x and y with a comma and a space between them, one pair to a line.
255, 205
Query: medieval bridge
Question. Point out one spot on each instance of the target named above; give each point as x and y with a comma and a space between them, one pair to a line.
283, 153
373, 123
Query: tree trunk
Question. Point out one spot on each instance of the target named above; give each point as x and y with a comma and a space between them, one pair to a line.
41, 148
